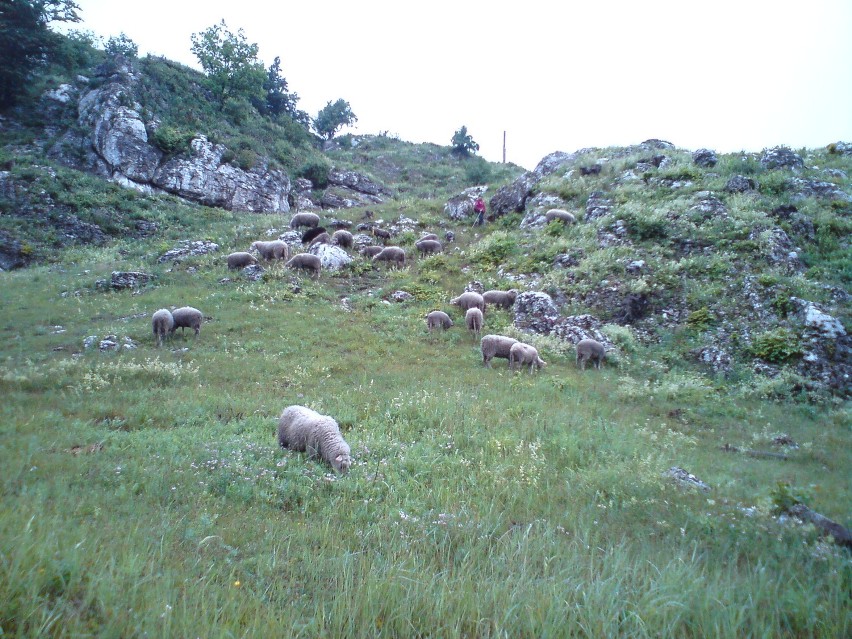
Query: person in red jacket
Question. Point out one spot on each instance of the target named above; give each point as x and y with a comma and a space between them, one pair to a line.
479, 209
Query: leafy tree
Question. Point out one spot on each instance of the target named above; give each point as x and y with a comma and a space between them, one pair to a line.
333, 117
230, 62
121, 45
463, 145
26, 40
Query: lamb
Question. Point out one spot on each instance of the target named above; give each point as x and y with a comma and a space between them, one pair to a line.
342, 238
561, 215
312, 233
438, 319
303, 429
371, 251
305, 261
503, 299
473, 320
589, 349
495, 346
162, 323
428, 246
274, 250
187, 317
467, 300
304, 219
381, 233
241, 259
521, 354
392, 254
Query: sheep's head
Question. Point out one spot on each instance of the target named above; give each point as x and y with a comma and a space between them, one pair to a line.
341, 462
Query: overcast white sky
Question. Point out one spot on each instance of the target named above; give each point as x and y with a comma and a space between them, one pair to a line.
728, 75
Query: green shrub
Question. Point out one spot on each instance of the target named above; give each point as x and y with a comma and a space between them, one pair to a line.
776, 346
171, 140
701, 319
494, 249
316, 172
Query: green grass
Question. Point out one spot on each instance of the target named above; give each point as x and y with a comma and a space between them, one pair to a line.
143, 491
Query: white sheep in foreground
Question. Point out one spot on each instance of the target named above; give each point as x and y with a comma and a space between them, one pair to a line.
438, 319
590, 349
162, 323
303, 429
187, 317
470, 299
559, 214
473, 320
521, 354
429, 246
274, 250
495, 346
241, 259
503, 299
304, 219
305, 261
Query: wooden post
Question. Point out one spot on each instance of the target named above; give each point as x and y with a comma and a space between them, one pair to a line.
504, 147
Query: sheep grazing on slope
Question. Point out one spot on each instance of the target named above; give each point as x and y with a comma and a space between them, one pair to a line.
392, 254
438, 319
304, 219
467, 300
495, 346
589, 349
503, 299
428, 236
162, 323
473, 320
322, 238
241, 259
342, 238
371, 251
381, 233
428, 246
187, 317
303, 429
559, 214
274, 250
521, 354
310, 234
305, 261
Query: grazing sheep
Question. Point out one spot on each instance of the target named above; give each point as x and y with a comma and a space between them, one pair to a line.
470, 299
521, 354
187, 317
495, 346
322, 238
381, 233
589, 349
343, 238
274, 250
162, 323
305, 261
473, 320
371, 251
303, 429
392, 254
503, 299
561, 215
438, 319
304, 219
428, 246
428, 236
241, 259
312, 233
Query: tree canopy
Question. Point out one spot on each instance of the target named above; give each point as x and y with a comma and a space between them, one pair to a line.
26, 40
463, 143
230, 62
333, 117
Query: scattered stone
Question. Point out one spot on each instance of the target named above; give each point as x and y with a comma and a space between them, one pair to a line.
574, 328
740, 184
129, 279
567, 260
781, 157
474, 286
685, 478
597, 206
401, 296
188, 248
636, 266
714, 357
253, 272
535, 312
704, 158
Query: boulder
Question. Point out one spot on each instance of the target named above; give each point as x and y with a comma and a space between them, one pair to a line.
188, 248
12, 254
342, 197
597, 205
781, 157
740, 184
129, 279
535, 312
460, 207
513, 197
705, 158
333, 258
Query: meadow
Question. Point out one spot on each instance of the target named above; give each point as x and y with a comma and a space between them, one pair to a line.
144, 493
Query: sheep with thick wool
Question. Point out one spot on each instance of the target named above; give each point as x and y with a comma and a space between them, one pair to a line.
306, 262
590, 349
427, 247
559, 214
162, 323
240, 259
503, 299
342, 238
469, 299
303, 429
304, 219
473, 320
392, 254
522, 354
274, 250
438, 319
371, 251
187, 317
495, 346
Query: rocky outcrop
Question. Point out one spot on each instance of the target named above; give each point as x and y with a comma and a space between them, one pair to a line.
535, 312
781, 157
460, 207
513, 197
